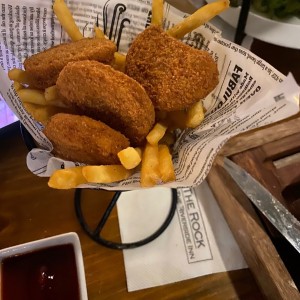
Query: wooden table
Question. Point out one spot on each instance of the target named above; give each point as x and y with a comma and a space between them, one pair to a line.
264, 249
30, 210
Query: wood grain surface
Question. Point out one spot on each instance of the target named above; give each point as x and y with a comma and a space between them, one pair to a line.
257, 151
257, 248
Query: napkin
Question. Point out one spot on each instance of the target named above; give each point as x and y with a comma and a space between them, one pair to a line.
196, 243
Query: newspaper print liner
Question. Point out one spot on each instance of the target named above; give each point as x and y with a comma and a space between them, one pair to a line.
251, 93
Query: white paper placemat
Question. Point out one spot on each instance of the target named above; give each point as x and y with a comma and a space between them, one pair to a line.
197, 242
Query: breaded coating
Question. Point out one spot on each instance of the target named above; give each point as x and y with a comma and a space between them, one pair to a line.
82, 139
102, 93
174, 75
45, 66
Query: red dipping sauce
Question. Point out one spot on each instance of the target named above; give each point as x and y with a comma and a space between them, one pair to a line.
45, 274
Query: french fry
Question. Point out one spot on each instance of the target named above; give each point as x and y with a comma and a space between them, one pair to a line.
32, 96
51, 93
18, 86
157, 132
139, 151
129, 158
66, 20
53, 97
157, 12
166, 167
195, 115
105, 174
99, 34
38, 97
150, 174
198, 18
67, 178
120, 61
20, 76
42, 113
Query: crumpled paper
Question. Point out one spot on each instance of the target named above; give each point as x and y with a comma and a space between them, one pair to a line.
245, 79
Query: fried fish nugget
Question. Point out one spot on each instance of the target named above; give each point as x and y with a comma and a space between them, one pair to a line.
82, 139
45, 66
174, 75
102, 93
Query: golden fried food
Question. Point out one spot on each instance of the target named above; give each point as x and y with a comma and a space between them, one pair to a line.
67, 178
174, 75
130, 158
43, 113
102, 93
82, 139
44, 67
66, 20
203, 15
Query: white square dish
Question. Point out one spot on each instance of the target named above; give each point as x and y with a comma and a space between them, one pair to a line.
43, 267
